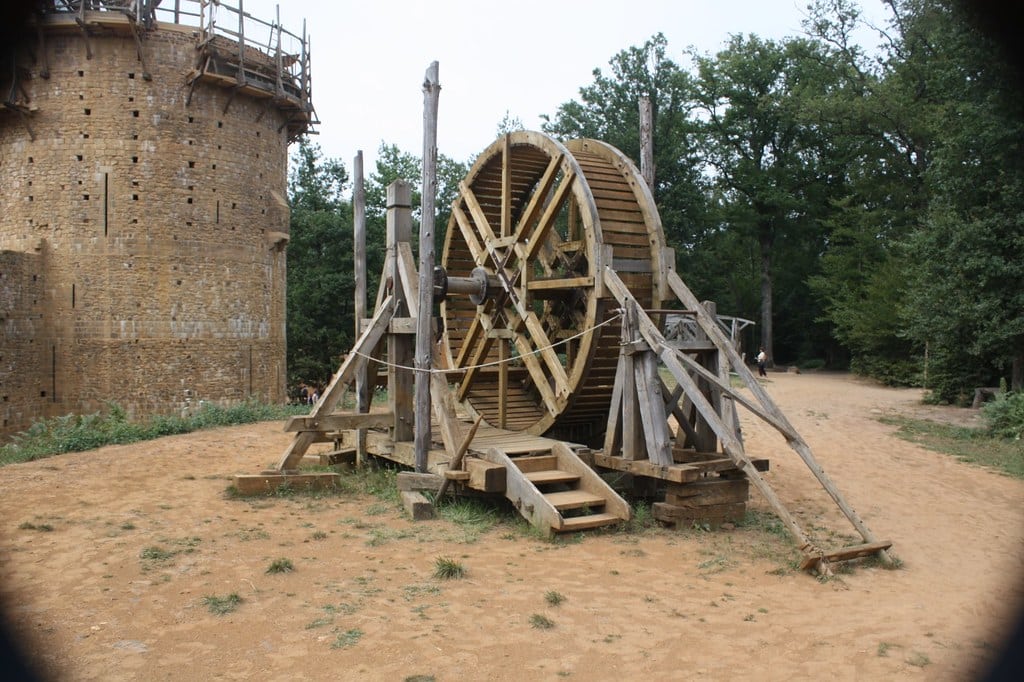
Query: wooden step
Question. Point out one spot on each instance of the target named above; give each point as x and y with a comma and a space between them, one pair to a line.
574, 499
550, 476
535, 462
576, 523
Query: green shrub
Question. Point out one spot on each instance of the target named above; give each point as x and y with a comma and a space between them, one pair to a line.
76, 433
1005, 415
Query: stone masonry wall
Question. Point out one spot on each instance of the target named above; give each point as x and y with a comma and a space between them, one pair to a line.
162, 222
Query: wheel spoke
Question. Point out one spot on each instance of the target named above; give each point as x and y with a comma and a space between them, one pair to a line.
547, 220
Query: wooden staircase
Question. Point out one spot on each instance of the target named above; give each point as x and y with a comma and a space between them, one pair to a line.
556, 491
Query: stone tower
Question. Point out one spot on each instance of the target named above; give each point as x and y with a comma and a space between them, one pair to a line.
143, 211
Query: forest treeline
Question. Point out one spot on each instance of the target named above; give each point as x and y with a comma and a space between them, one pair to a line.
864, 206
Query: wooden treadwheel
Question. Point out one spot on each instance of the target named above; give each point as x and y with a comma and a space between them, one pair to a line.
542, 219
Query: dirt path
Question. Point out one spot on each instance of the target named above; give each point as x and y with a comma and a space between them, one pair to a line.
362, 602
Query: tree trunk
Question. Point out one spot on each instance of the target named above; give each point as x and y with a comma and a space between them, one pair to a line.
1017, 373
766, 295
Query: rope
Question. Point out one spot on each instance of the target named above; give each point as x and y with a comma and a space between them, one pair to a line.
617, 316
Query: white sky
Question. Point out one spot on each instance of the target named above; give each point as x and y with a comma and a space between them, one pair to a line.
369, 58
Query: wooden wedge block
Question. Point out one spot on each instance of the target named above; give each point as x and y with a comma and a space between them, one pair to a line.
417, 506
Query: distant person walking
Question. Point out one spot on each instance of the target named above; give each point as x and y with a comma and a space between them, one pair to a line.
762, 362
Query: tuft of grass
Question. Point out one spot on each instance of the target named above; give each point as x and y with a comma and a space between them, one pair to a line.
447, 568
918, 660
77, 433
347, 638
419, 678
222, 605
554, 598
474, 517
319, 535
157, 554
974, 446
281, 566
41, 527
539, 621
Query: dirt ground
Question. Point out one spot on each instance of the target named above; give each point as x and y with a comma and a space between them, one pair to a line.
94, 601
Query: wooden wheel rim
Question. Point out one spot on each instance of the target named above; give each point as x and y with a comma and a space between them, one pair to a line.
527, 214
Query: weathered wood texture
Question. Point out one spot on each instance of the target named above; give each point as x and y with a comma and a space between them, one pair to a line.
428, 195
269, 483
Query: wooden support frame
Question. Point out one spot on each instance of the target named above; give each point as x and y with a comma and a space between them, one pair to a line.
731, 445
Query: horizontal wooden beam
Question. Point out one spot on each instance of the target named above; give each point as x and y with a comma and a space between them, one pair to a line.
341, 422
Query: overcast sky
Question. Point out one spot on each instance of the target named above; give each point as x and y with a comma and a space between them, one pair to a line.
525, 57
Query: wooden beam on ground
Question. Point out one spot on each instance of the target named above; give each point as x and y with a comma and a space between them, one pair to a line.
416, 505
270, 483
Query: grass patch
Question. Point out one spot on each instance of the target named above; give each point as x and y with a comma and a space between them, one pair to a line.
447, 568
347, 638
157, 555
77, 433
281, 566
41, 527
539, 621
222, 605
473, 517
975, 446
554, 598
918, 660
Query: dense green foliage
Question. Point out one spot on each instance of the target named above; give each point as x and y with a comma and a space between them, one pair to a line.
75, 433
863, 206
1005, 415
321, 280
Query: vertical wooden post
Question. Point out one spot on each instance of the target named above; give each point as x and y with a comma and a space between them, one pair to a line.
632, 426
241, 43
359, 260
647, 141
424, 337
400, 346
706, 440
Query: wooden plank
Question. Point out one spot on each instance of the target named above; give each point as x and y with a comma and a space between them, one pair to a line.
678, 473
574, 499
550, 476
270, 483
413, 481
652, 410
416, 505
682, 517
578, 523
341, 421
847, 553
536, 463
708, 492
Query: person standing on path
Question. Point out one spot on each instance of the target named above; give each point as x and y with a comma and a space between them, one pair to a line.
762, 361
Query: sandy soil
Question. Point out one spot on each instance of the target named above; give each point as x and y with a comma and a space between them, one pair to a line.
362, 602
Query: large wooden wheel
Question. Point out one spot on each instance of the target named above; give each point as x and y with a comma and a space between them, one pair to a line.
542, 218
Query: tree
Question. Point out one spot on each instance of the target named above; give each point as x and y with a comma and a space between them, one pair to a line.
320, 271
608, 110
964, 294
773, 170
